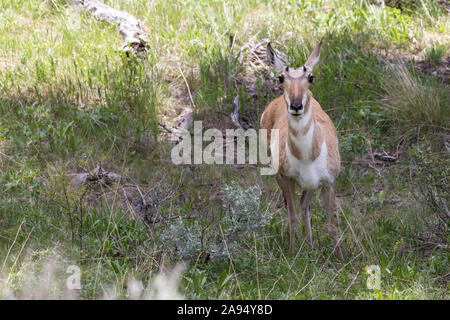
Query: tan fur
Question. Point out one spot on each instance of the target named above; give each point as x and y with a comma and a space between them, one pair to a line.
275, 118
285, 113
306, 129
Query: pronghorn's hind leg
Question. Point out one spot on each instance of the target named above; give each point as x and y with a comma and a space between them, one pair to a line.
329, 200
288, 187
306, 215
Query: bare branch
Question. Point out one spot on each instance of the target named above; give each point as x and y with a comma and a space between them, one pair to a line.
235, 114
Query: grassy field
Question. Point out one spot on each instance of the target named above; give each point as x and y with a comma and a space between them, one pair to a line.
71, 100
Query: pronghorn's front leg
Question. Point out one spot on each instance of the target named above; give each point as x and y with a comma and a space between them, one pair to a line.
287, 186
329, 200
306, 215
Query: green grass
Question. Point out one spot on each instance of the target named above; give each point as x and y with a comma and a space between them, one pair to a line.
69, 100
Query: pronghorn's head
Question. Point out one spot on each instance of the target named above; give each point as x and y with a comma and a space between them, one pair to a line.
296, 81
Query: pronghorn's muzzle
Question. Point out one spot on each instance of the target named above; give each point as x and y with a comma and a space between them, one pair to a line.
296, 109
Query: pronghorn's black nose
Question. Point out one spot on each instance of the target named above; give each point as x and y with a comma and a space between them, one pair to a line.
297, 107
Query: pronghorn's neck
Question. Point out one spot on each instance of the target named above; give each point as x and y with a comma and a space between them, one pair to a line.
302, 123
304, 134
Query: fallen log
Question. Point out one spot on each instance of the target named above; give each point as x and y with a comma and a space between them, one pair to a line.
131, 29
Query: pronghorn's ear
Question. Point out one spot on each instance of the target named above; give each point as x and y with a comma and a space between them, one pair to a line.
274, 60
314, 57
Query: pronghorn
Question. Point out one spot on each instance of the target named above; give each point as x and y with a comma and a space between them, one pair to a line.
308, 146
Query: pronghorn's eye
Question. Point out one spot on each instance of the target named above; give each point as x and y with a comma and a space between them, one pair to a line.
310, 78
304, 68
281, 78
287, 69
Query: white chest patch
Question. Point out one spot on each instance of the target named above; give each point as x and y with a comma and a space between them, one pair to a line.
309, 174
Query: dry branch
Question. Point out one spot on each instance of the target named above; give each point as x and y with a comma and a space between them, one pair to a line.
131, 29
235, 114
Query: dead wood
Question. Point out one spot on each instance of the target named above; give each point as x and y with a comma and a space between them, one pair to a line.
235, 114
131, 29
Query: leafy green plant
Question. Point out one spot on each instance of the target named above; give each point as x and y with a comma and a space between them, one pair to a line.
435, 55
